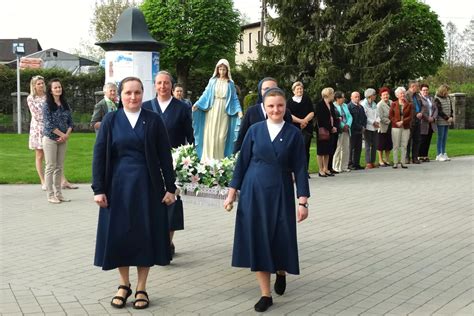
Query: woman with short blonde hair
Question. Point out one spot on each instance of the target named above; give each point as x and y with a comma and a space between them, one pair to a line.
327, 92
326, 122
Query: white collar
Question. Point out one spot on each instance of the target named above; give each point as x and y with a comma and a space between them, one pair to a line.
297, 99
274, 128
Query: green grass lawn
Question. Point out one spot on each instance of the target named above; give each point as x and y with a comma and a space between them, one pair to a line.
17, 162
460, 143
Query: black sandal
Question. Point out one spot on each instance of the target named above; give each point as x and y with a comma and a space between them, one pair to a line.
123, 299
141, 300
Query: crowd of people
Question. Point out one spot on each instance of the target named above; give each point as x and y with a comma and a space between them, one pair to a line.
402, 127
273, 139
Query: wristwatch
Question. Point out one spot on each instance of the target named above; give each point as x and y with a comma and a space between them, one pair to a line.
305, 205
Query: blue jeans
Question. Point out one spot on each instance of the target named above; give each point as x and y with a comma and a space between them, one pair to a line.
442, 138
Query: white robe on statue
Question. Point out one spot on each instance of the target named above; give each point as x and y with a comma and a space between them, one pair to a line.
217, 124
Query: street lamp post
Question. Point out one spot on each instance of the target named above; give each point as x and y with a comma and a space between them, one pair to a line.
18, 50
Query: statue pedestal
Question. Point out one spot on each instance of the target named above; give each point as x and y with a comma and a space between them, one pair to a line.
200, 190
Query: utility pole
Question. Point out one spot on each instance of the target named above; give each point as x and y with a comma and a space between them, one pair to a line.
18, 50
262, 21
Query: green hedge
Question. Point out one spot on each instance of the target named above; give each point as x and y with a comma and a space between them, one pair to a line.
249, 100
79, 89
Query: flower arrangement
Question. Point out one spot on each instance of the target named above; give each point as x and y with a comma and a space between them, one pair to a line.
210, 173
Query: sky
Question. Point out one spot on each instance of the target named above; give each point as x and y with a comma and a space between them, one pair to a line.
64, 24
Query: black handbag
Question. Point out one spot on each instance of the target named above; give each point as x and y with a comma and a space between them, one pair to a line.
176, 215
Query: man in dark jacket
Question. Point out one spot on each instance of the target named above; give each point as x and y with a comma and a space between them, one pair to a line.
413, 96
359, 121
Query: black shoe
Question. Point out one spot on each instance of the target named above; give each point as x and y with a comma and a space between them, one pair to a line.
330, 174
333, 171
404, 167
263, 304
121, 298
137, 300
322, 175
309, 177
280, 284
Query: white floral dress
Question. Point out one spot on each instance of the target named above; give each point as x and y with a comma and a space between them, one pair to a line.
35, 104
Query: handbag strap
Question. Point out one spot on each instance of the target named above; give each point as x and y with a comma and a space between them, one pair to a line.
154, 104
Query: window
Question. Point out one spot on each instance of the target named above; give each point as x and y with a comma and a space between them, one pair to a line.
241, 42
250, 42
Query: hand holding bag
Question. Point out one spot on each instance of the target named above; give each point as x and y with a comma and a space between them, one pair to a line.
323, 134
176, 215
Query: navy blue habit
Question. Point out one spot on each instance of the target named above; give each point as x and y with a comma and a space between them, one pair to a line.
133, 168
177, 118
265, 228
253, 115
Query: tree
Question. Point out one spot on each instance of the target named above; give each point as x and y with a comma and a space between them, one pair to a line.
244, 18
452, 43
350, 44
420, 42
198, 32
106, 15
459, 47
468, 44
103, 25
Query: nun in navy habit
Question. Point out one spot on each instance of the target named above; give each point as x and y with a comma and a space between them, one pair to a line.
265, 229
133, 181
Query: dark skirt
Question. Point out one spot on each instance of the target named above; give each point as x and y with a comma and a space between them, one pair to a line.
327, 147
384, 141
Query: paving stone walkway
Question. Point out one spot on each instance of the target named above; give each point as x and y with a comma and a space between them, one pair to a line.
378, 242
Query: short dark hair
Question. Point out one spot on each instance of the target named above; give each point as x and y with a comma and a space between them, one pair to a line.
338, 95
424, 85
178, 85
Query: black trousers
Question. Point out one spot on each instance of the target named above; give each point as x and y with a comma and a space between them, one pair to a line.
425, 143
355, 150
413, 147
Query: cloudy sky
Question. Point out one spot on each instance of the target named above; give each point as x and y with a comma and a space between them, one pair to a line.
63, 24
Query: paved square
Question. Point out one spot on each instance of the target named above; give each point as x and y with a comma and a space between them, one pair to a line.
384, 241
